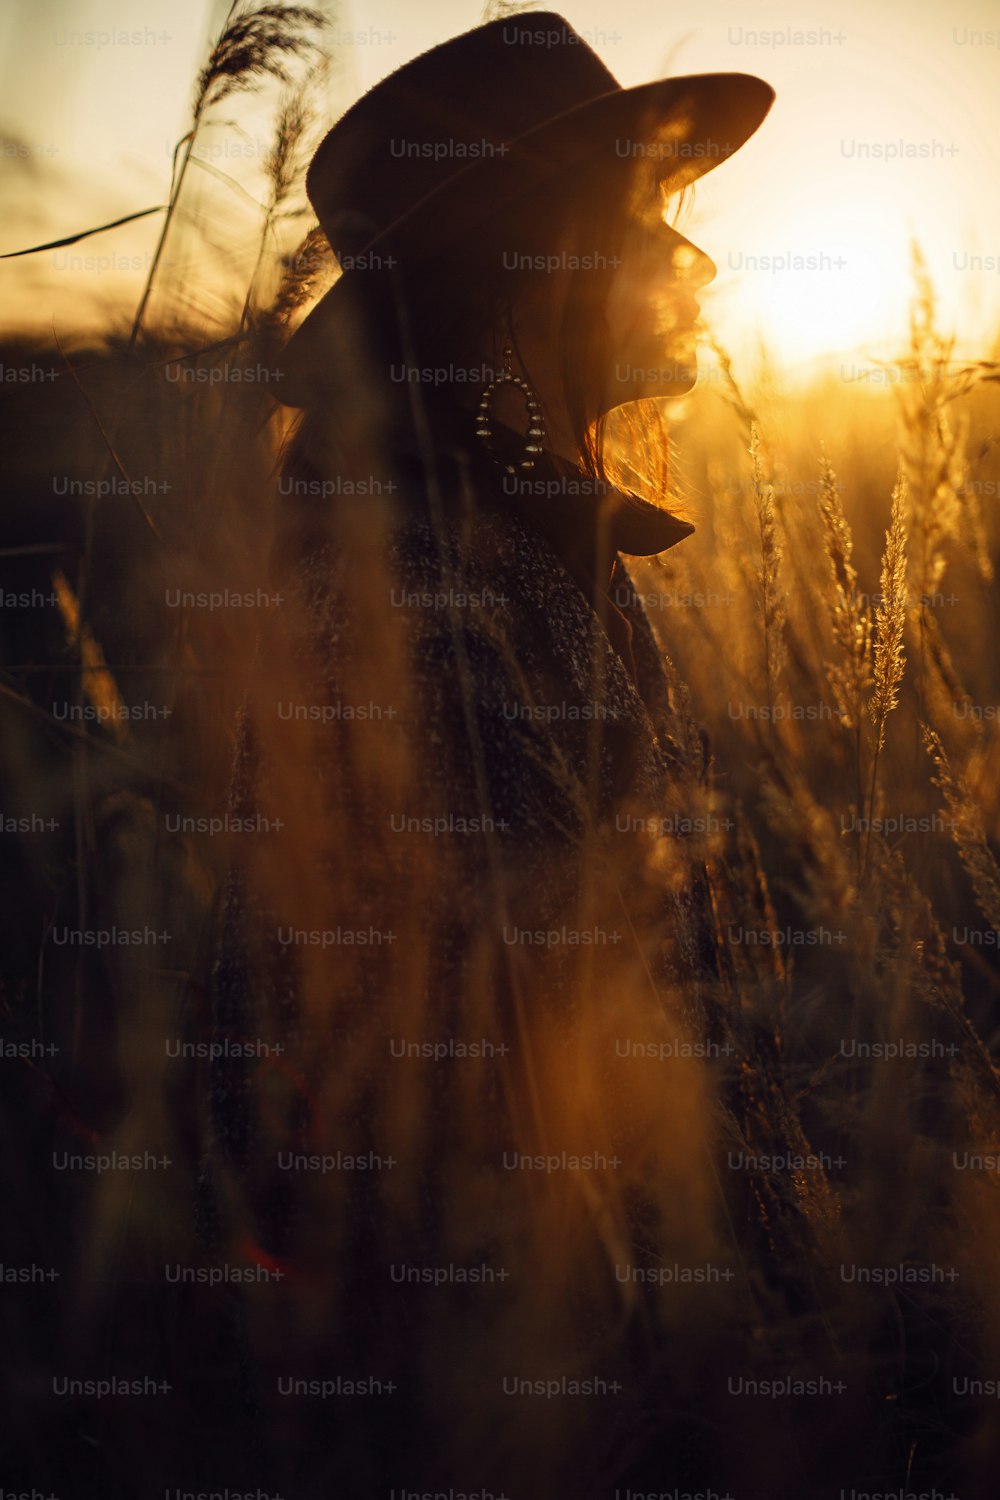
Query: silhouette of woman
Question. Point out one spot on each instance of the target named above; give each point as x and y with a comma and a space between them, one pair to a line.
490, 918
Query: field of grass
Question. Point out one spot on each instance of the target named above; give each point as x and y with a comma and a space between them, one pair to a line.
830, 629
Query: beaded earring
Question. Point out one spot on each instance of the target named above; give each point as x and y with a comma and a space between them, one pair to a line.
536, 426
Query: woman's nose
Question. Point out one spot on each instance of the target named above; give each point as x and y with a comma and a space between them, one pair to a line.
692, 266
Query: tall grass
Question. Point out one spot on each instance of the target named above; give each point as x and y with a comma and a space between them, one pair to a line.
836, 792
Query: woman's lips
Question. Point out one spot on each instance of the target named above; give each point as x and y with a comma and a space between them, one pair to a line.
671, 316
688, 313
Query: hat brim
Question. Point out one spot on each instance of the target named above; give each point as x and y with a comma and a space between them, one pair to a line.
677, 128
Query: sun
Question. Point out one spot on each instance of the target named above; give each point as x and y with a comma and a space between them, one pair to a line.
824, 278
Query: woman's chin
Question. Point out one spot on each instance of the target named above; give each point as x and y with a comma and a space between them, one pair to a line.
654, 383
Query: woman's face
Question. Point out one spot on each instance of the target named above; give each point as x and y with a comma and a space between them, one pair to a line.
651, 313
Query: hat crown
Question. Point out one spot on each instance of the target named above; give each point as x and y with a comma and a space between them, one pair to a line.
449, 109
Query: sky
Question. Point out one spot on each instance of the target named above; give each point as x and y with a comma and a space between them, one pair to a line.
885, 129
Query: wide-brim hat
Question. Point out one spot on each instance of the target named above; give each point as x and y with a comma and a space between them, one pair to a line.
450, 138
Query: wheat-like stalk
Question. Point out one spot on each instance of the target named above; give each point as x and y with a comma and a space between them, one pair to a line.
254, 44
307, 268
966, 829
927, 446
284, 168
890, 618
850, 619
771, 597
889, 659
944, 507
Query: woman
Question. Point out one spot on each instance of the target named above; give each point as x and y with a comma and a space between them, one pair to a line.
479, 920
510, 279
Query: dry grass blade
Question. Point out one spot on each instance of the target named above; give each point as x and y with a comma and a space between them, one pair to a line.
306, 269
732, 391
96, 680
771, 598
967, 830
83, 234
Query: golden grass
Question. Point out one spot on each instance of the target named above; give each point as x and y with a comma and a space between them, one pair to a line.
857, 801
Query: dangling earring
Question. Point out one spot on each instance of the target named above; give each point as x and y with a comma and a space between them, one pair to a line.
536, 426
